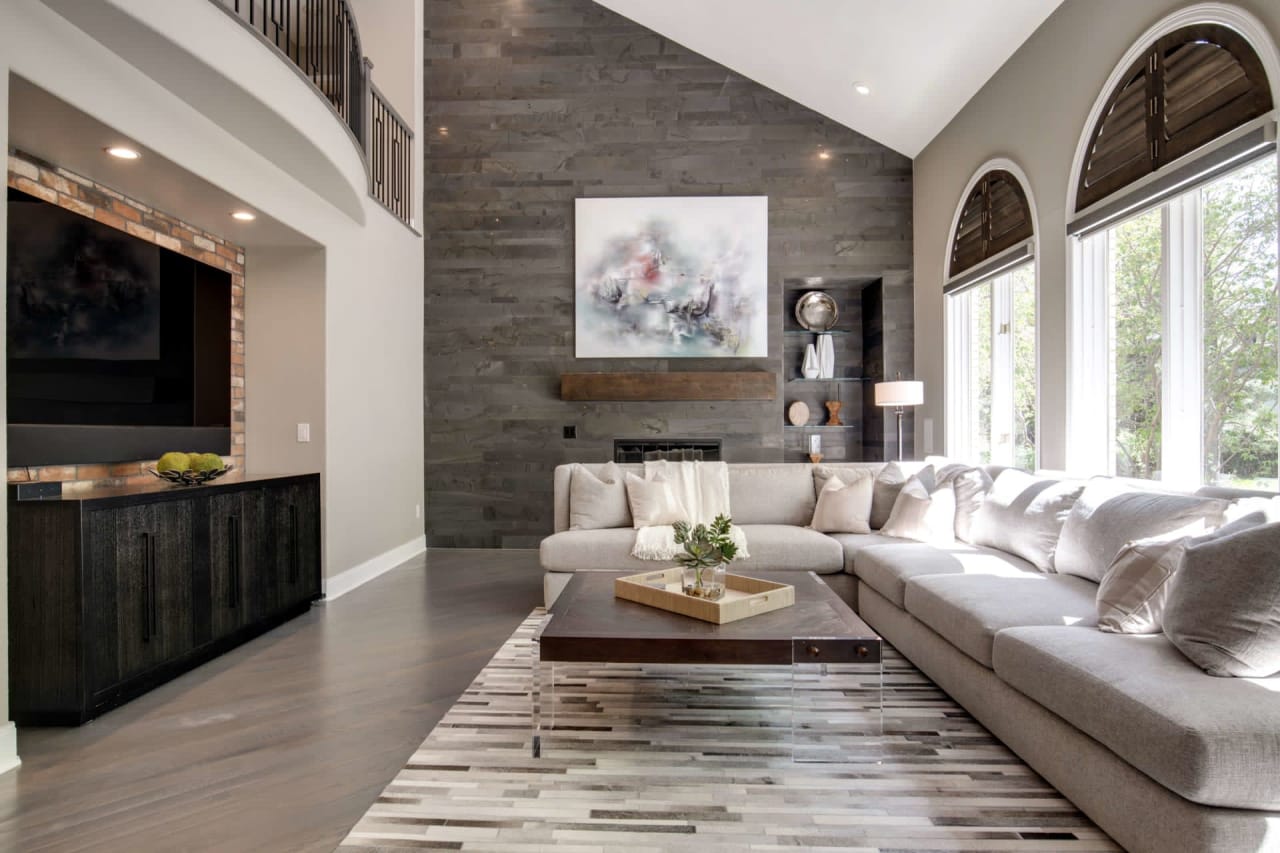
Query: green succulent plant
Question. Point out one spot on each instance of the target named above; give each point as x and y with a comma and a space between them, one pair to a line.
705, 546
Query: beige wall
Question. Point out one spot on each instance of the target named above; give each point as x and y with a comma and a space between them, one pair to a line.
1032, 112
389, 33
284, 360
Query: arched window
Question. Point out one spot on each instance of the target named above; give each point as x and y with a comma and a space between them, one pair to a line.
991, 346
1189, 88
995, 217
1174, 336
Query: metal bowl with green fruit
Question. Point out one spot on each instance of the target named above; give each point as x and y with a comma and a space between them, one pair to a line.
190, 469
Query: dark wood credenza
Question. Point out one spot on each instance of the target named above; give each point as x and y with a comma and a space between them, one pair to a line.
115, 591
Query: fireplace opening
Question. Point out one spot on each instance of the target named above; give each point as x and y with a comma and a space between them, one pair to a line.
671, 449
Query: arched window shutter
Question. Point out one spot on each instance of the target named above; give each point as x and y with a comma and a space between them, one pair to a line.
995, 217
1192, 86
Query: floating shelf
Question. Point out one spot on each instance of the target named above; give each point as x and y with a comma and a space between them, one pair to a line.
819, 426
834, 379
690, 386
807, 332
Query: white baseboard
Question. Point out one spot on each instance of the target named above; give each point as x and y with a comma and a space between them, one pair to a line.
356, 576
8, 747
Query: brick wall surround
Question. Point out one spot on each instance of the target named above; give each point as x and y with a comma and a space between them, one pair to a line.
530, 105
109, 206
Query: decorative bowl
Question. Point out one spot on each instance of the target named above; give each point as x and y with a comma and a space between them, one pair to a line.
816, 311
190, 478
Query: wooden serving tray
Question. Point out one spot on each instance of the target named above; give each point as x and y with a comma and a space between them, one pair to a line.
743, 596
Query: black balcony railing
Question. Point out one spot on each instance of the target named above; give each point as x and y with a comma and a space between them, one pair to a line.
321, 39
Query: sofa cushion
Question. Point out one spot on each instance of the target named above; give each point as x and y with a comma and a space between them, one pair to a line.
1211, 740
1110, 514
1023, 514
854, 544
887, 569
771, 493
773, 547
889, 482
969, 610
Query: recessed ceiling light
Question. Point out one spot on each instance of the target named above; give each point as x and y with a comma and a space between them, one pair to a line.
122, 152
243, 216
862, 88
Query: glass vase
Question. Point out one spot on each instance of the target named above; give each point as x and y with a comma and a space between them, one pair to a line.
705, 581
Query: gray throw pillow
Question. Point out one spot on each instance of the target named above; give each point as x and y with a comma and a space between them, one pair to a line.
1023, 515
1224, 609
1134, 594
598, 502
889, 482
1111, 513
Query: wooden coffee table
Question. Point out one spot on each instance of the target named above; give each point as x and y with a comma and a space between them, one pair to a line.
588, 624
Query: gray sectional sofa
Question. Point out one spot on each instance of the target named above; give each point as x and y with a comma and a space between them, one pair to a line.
1162, 756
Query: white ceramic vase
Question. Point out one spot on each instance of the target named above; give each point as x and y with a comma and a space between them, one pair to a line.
810, 369
826, 357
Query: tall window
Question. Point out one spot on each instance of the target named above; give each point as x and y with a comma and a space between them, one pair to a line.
1192, 314
991, 325
991, 365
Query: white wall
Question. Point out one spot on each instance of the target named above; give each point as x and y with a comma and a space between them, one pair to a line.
372, 277
1033, 112
284, 359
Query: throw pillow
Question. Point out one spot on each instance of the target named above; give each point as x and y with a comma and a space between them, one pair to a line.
822, 474
1110, 513
843, 506
889, 482
653, 502
1224, 610
1267, 507
597, 502
923, 515
1135, 590
970, 486
1023, 515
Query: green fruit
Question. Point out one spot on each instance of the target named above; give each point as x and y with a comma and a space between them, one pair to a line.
206, 462
174, 461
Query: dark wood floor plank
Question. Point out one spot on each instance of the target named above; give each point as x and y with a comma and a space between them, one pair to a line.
282, 744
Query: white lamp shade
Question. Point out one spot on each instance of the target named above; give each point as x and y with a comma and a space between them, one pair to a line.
900, 393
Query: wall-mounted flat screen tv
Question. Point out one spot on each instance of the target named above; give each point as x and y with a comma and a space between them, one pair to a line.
117, 349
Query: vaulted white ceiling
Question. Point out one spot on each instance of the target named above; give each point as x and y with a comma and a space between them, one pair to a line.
922, 59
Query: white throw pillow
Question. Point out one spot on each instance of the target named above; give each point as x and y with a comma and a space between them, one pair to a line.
923, 515
971, 487
1133, 592
1023, 515
844, 506
823, 474
653, 502
1268, 507
597, 502
1111, 513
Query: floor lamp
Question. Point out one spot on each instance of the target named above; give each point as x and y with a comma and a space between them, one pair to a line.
898, 395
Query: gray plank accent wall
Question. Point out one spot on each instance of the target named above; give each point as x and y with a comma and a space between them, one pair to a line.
530, 105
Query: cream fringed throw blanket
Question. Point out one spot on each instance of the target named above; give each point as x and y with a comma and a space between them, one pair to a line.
701, 490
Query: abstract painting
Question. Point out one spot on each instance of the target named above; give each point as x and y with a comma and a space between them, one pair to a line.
683, 277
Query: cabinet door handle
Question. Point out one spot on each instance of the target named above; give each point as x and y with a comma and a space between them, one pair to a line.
146, 587
155, 629
293, 543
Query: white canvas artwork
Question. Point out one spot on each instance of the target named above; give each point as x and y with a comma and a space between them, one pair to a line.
683, 277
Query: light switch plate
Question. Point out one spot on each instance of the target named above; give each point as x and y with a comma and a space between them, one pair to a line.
304, 432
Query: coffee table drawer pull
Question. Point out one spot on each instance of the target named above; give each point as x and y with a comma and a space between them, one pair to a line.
813, 651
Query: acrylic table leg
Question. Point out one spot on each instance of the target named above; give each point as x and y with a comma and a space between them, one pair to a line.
541, 683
